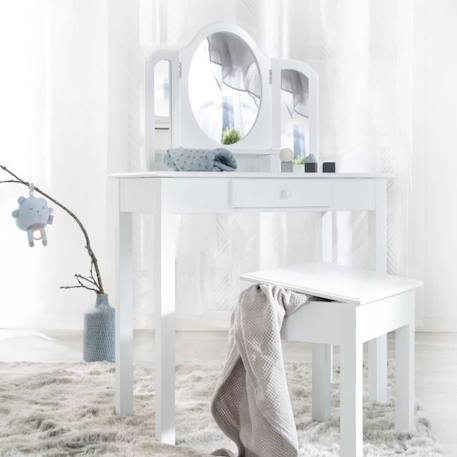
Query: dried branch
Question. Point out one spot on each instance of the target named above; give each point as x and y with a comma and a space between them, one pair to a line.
80, 284
94, 262
10, 181
84, 278
71, 287
84, 286
92, 271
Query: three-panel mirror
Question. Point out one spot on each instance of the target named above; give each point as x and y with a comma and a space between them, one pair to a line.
225, 91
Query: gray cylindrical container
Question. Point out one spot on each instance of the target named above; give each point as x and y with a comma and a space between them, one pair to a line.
99, 332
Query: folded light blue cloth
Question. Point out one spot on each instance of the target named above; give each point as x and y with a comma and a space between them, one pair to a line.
184, 159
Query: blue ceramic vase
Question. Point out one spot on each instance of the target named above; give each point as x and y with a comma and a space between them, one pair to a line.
99, 332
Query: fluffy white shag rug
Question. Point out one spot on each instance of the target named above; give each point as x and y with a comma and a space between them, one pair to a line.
54, 410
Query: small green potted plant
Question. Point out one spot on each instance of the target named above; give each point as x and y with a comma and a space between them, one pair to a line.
299, 164
230, 136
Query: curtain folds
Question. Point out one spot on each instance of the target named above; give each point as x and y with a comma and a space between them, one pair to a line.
53, 132
238, 66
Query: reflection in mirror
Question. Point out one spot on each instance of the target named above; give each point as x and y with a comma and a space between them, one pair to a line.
162, 91
295, 126
162, 121
224, 87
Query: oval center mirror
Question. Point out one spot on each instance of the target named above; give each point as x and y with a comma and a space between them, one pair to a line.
225, 87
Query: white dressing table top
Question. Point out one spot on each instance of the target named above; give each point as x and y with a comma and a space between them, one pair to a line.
335, 282
216, 175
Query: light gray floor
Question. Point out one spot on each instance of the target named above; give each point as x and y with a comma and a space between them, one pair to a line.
436, 367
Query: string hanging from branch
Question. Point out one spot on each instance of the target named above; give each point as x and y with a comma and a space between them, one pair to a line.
93, 282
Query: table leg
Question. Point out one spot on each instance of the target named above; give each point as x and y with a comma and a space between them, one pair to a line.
351, 395
405, 367
124, 318
321, 387
377, 348
164, 288
327, 236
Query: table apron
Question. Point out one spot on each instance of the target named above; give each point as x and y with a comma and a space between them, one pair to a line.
225, 195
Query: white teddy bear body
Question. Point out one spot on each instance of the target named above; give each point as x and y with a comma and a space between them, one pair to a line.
32, 216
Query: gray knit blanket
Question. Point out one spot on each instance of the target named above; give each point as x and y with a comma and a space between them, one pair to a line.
184, 159
251, 403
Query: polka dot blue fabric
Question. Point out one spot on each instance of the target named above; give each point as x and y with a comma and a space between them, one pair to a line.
185, 159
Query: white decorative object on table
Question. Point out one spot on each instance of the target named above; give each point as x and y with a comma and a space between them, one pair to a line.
299, 165
286, 156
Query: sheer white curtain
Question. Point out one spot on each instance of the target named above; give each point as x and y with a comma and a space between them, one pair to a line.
21, 146
53, 132
55, 111
362, 51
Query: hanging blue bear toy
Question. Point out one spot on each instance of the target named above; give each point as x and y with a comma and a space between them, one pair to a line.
33, 216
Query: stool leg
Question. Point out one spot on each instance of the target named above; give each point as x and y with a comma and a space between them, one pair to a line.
321, 387
377, 369
351, 396
405, 391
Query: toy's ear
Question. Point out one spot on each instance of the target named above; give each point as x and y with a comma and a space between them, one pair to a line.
20, 199
15, 213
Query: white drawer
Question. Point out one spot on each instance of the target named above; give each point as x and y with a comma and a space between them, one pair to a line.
281, 193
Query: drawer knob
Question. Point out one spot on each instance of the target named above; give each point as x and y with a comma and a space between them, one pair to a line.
285, 193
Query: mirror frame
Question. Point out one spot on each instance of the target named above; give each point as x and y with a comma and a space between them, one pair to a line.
188, 91
191, 133
277, 66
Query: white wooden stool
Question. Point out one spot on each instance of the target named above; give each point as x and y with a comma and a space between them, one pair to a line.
364, 305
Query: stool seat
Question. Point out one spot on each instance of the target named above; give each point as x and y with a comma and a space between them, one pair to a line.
363, 305
335, 282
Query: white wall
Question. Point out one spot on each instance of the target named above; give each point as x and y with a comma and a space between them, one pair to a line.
435, 146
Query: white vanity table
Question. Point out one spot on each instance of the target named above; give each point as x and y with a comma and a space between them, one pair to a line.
165, 194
